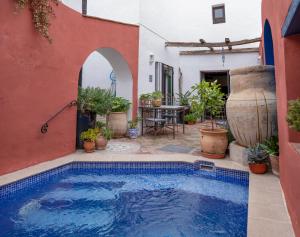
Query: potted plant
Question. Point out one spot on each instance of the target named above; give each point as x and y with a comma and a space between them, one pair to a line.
146, 99
133, 130
191, 118
208, 97
117, 119
101, 141
91, 101
257, 159
293, 116
184, 100
88, 137
272, 148
156, 98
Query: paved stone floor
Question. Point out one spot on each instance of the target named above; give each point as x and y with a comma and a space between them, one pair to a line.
161, 144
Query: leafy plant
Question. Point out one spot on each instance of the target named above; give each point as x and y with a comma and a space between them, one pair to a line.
208, 97
106, 133
120, 104
147, 96
184, 99
293, 116
94, 100
133, 123
41, 11
156, 95
271, 146
100, 124
257, 155
89, 135
191, 117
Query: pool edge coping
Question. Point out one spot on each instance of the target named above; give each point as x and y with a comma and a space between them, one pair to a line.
256, 219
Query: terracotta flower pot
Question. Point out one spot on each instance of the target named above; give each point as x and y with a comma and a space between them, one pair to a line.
213, 143
258, 168
275, 165
101, 143
156, 103
88, 146
191, 122
117, 122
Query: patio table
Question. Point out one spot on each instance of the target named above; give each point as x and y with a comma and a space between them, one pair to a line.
171, 111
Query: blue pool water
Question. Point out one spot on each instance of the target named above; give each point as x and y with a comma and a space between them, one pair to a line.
88, 203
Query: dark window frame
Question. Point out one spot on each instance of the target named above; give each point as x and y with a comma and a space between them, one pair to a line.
218, 20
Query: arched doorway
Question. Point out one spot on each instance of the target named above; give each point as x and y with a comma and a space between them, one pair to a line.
105, 68
268, 44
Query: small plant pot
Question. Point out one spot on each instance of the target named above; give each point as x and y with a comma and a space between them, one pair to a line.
275, 165
191, 122
133, 133
101, 143
156, 103
89, 147
258, 168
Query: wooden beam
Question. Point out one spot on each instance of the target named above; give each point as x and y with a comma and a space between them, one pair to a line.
202, 41
211, 45
225, 51
227, 41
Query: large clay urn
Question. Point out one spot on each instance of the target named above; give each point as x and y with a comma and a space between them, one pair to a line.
251, 106
117, 122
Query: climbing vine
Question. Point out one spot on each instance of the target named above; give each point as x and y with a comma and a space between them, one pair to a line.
41, 11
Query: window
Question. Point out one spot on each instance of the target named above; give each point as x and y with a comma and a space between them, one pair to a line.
218, 12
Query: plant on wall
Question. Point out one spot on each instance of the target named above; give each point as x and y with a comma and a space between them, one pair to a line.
41, 11
293, 116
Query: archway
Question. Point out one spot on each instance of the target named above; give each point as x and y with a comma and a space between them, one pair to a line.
105, 68
268, 44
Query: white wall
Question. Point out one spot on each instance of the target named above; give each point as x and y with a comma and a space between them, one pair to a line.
193, 65
181, 20
96, 71
116, 10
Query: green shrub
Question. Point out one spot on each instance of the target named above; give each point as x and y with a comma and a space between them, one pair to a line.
184, 99
120, 104
95, 100
191, 117
156, 95
147, 96
207, 97
293, 116
271, 146
89, 135
134, 123
106, 133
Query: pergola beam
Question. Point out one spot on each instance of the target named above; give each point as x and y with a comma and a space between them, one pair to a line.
202, 41
212, 45
225, 51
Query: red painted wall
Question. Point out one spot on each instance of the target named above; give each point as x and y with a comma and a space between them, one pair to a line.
287, 54
38, 79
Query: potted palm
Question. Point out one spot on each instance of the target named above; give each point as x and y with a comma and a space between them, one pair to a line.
191, 118
117, 118
156, 98
207, 96
89, 137
257, 159
133, 130
271, 146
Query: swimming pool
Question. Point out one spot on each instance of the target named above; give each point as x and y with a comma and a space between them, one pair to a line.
158, 199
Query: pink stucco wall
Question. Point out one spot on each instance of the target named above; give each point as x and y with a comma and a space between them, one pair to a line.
38, 79
287, 54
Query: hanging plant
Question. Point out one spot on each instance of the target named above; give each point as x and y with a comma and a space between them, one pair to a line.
41, 11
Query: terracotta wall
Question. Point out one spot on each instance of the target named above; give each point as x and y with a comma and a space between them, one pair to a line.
287, 54
38, 79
